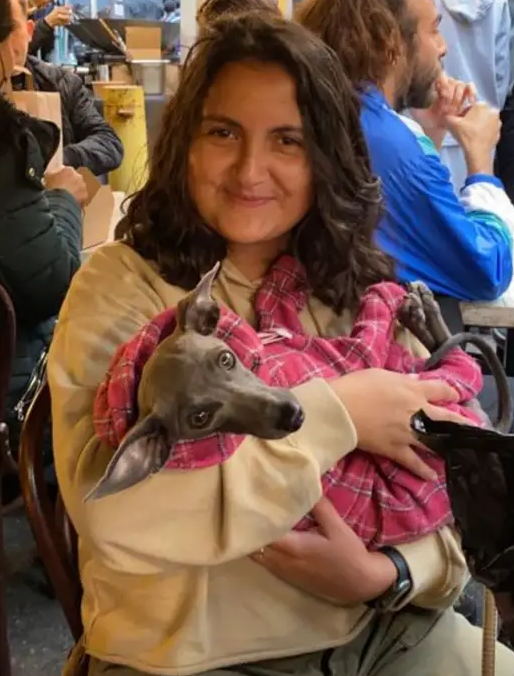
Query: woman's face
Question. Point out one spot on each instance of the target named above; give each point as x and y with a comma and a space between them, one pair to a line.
249, 175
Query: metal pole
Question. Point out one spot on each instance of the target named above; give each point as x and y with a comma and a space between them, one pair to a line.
188, 27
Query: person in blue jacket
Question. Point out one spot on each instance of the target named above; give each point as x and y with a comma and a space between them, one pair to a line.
460, 245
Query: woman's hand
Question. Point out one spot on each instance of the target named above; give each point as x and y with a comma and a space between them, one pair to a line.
381, 404
332, 563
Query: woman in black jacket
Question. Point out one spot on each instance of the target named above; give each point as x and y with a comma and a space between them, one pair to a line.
40, 232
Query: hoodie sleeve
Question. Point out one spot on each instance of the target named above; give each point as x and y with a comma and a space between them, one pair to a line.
460, 246
252, 499
98, 147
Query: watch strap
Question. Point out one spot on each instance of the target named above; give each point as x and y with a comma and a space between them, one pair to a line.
400, 588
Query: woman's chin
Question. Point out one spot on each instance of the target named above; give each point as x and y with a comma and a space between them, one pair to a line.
247, 230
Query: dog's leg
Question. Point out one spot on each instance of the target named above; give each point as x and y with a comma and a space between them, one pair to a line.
421, 315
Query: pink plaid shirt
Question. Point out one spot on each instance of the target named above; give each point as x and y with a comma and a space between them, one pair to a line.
381, 501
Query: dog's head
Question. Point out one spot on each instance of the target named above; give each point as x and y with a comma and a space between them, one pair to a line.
192, 386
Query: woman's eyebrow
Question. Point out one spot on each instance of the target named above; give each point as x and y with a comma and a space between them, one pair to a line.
282, 129
288, 129
223, 119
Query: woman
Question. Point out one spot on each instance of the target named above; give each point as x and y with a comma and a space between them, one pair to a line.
260, 152
40, 236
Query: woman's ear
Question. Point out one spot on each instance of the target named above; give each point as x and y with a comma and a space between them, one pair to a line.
198, 311
143, 452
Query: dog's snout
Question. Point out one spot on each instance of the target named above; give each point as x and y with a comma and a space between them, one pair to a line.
291, 417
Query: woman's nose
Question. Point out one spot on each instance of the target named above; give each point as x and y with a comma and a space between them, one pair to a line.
252, 164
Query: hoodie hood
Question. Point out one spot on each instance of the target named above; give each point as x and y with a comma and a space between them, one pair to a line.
467, 11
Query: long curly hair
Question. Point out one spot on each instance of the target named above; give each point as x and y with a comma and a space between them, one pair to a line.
367, 35
211, 10
335, 240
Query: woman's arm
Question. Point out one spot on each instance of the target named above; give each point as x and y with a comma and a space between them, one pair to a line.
197, 518
333, 563
40, 241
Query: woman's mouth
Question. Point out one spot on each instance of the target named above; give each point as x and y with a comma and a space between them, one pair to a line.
249, 201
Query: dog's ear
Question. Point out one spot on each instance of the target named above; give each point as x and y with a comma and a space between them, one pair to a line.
198, 311
142, 452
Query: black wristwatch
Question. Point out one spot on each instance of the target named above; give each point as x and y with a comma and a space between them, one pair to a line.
400, 588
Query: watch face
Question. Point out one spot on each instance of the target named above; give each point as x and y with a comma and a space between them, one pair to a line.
394, 595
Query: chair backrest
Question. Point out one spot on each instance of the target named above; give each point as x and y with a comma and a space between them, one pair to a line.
53, 531
7, 343
5, 656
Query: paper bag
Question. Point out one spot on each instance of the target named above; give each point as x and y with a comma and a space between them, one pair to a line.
99, 212
44, 106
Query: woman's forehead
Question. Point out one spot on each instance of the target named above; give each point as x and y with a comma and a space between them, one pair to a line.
253, 89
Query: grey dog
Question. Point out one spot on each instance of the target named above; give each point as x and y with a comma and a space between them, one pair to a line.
193, 385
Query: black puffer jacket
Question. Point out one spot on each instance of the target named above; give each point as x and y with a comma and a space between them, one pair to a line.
89, 141
40, 242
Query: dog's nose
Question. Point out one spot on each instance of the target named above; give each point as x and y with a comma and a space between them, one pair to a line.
291, 417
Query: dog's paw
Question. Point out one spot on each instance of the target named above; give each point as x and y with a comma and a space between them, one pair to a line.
421, 315
414, 314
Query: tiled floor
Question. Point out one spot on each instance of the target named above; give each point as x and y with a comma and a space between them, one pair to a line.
39, 636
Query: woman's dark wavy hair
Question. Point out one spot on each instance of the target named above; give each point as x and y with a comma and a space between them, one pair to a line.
367, 35
335, 241
211, 10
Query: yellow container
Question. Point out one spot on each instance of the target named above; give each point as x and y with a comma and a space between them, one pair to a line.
124, 109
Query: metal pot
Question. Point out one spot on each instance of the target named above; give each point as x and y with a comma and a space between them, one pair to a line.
149, 74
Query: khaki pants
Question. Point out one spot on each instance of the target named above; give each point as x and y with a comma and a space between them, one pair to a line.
410, 643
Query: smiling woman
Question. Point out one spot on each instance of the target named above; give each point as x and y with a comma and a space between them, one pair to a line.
248, 162
242, 142
260, 165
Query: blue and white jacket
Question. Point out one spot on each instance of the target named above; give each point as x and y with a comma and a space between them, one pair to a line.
460, 246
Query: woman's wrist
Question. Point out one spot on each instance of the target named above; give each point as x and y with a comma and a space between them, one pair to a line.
381, 574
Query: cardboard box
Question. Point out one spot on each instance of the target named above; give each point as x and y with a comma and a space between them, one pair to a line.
143, 43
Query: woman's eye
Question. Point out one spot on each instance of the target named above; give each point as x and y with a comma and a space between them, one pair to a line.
290, 141
227, 360
199, 419
220, 132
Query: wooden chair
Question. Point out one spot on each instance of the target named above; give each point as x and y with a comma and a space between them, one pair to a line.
53, 531
7, 344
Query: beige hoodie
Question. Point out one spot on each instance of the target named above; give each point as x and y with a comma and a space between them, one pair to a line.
168, 585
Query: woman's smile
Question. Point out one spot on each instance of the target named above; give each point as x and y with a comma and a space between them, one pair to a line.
247, 201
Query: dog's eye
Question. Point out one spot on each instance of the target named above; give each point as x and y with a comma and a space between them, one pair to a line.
199, 419
227, 360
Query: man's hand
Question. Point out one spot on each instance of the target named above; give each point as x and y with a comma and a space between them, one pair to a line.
59, 16
453, 98
477, 131
332, 563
